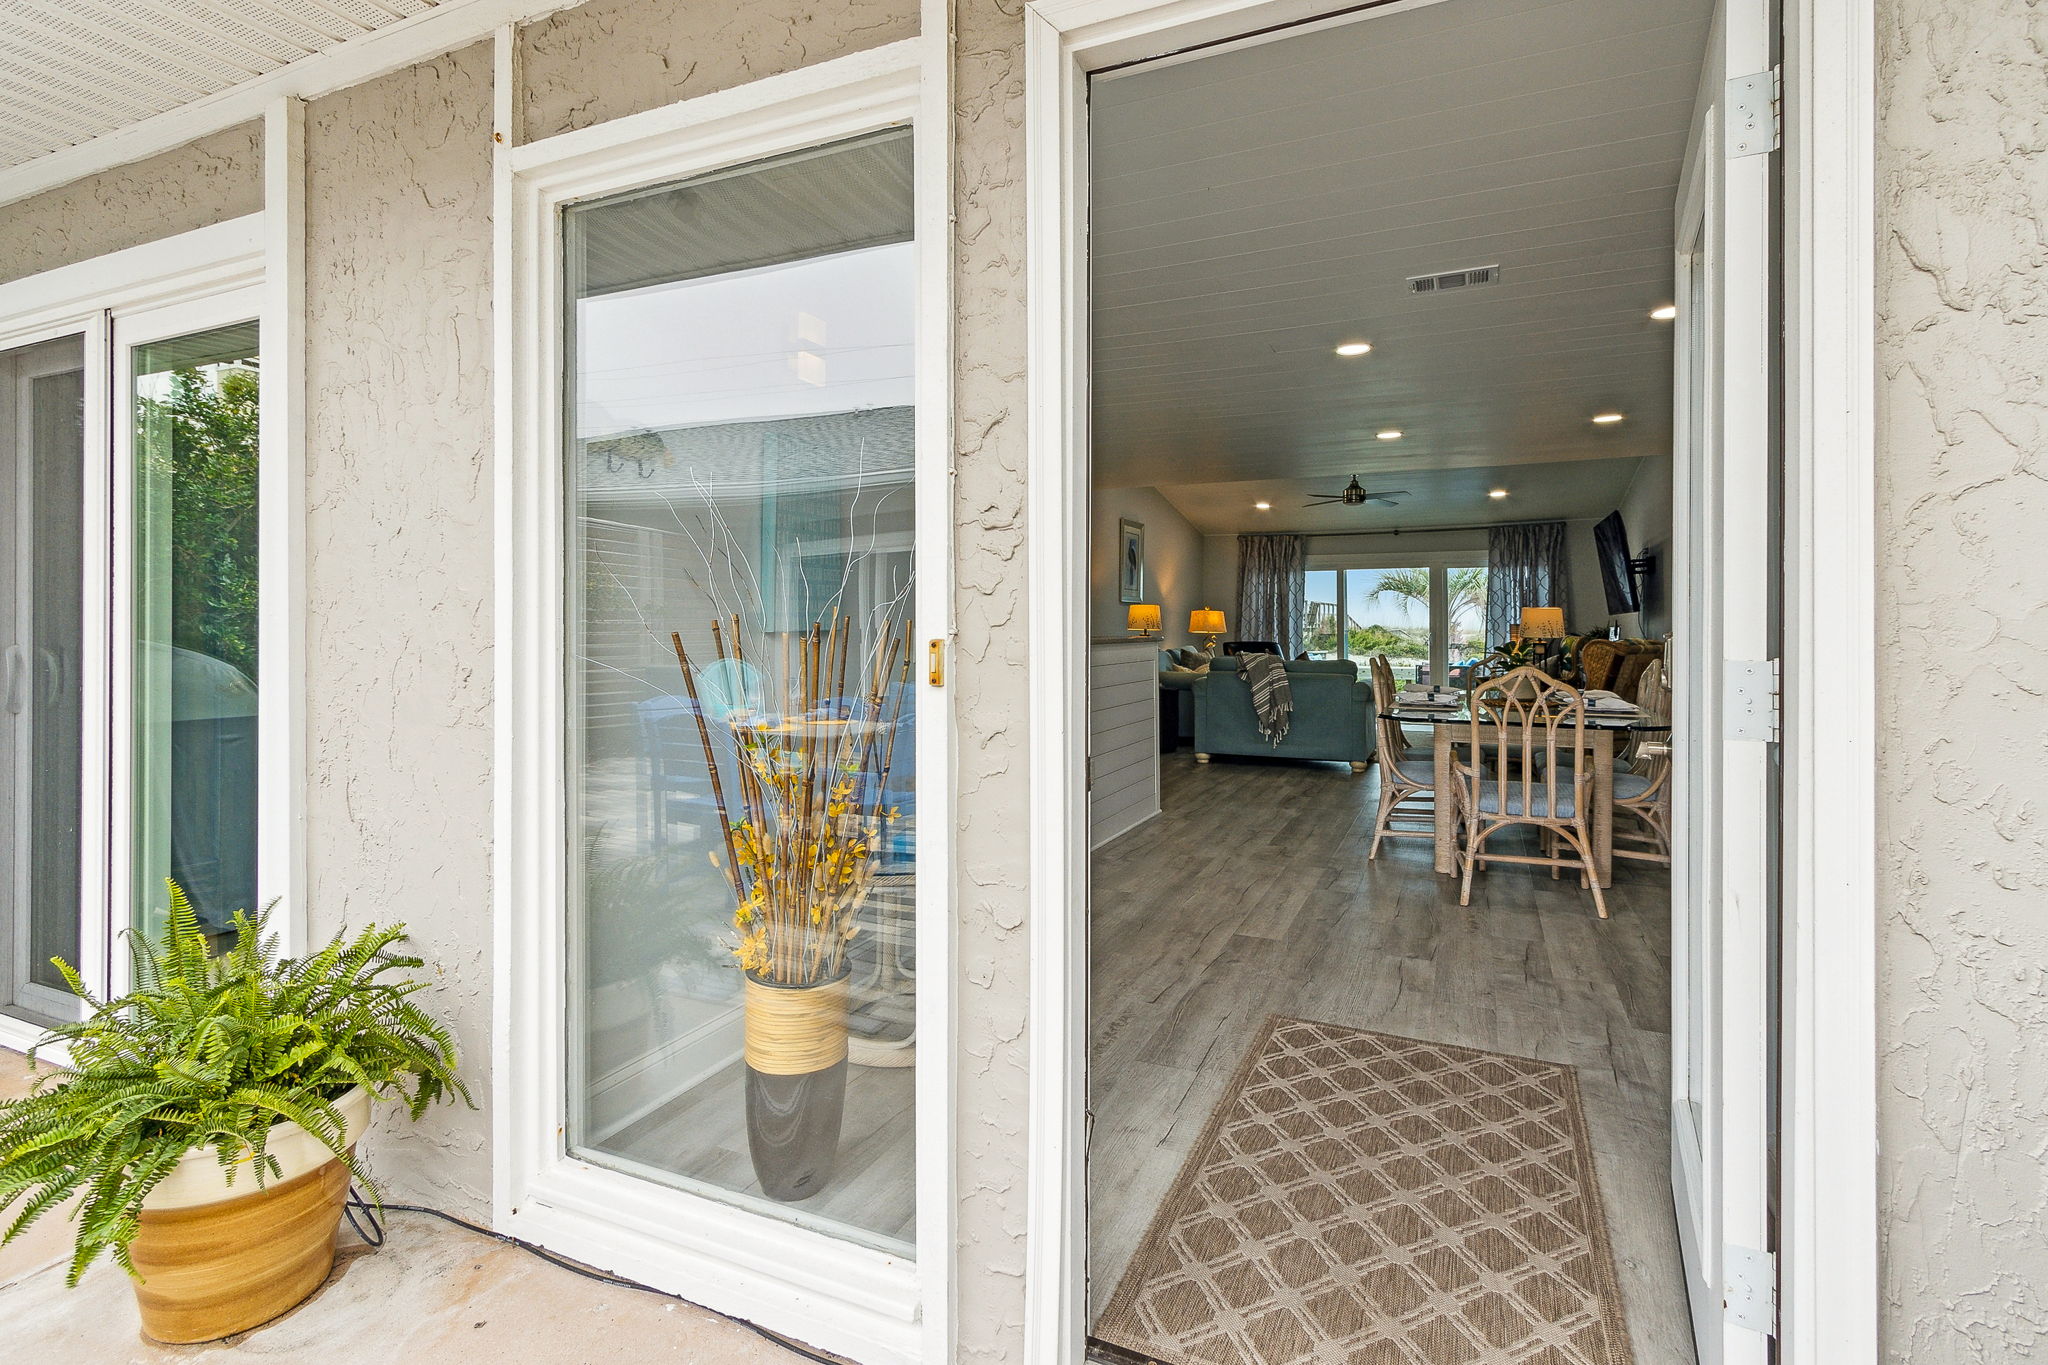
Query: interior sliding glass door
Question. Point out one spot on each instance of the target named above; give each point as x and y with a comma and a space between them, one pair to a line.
43, 535
1428, 619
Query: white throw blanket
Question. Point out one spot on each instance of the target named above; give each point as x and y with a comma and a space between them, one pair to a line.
1272, 697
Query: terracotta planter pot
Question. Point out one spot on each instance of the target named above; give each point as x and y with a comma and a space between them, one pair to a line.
216, 1259
796, 1084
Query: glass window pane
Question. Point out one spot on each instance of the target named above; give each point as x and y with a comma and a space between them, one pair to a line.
1466, 608
1319, 637
195, 514
743, 874
1389, 614
42, 468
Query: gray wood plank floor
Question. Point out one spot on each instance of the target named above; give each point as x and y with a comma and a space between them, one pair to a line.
1251, 895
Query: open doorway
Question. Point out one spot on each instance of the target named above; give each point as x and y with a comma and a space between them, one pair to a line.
1388, 360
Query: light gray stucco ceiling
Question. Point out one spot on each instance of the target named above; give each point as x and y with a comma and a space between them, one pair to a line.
71, 70
1254, 208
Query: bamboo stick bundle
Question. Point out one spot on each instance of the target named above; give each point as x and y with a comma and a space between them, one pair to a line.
803, 820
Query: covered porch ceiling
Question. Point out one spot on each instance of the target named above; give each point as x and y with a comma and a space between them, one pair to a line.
88, 85
75, 70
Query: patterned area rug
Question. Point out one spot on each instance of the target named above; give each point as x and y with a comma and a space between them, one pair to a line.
1362, 1199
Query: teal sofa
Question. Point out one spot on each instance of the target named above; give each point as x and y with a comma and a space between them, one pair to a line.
1333, 714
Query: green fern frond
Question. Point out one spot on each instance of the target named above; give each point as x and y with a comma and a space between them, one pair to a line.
211, 1053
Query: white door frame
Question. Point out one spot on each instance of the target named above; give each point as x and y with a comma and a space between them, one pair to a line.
870, 1304
1827, 1119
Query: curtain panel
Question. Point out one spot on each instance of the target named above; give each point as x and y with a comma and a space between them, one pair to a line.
1272, 590
1525, 567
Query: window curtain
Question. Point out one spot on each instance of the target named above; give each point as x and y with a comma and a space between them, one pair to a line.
1525, 567
1272, 590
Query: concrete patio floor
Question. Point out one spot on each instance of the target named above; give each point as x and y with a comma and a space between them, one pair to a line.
432, 1288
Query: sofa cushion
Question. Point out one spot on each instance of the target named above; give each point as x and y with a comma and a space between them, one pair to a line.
1343, 668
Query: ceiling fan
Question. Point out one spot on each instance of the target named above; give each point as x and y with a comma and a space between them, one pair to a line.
1355, 494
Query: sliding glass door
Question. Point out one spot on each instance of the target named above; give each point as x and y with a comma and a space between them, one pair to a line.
742, 748
43, 469
194, 402
1464, 614
1428, 618
1387, 613
130, 535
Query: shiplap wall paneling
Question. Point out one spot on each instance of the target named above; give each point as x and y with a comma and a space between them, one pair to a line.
1123, 737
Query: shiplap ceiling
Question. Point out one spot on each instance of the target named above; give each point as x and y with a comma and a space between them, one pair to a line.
1438, 496
72, 70
1255, 207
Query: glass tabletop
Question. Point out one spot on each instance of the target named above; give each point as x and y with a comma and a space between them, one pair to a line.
1460, 715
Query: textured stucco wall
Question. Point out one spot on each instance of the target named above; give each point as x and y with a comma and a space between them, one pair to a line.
398, 535
613, 57
1963, 747
990, 676
216, 178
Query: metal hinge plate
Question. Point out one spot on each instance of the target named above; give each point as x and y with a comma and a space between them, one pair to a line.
1754, 692
1752, 115
1749, 1289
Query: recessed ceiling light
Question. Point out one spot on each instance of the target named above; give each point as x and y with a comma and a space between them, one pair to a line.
1390, 435
1607, 419
1263, 506
1354, 348
1666, 313
1497, 493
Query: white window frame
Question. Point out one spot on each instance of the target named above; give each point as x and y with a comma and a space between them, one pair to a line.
95, 298
865, 1303
1828, 1111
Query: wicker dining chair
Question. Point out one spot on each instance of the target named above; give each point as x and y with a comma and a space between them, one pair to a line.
1407, 781
1522, 783
1644, 790
1384, 690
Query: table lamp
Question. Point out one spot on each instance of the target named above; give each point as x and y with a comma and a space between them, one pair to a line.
1206, 621
1142, 620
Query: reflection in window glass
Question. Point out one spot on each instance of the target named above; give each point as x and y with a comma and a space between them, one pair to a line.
739, 461
195, 482
42, 593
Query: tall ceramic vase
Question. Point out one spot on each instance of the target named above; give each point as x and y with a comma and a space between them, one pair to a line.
796, 1083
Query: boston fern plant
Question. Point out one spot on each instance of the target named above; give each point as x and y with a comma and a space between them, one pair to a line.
212, 1051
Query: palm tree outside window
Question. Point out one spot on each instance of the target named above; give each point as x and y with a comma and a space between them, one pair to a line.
1429, 620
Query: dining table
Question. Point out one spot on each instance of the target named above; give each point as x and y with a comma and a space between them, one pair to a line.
1451, 726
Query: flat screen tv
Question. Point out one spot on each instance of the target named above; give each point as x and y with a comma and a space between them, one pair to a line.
1610, 542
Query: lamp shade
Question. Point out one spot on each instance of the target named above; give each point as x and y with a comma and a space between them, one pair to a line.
1542, 623
1205, 621
1142, 618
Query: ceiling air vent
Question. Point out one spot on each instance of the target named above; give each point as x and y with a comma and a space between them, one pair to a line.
1454, 279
